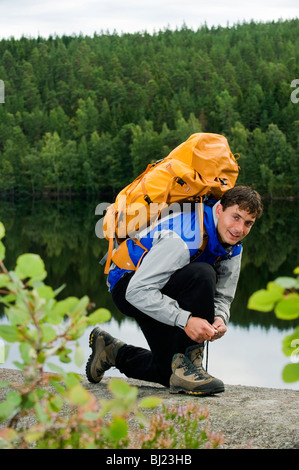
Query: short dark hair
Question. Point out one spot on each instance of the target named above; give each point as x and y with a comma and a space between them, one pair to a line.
247, 199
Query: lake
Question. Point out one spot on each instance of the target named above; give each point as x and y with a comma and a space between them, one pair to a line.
62, 232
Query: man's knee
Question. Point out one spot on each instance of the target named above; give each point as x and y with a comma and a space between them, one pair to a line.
203, 272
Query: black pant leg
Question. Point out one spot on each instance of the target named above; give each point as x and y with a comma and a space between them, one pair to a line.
153, 365
194, 288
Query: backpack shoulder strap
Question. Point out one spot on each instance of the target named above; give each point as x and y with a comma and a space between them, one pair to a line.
204, 238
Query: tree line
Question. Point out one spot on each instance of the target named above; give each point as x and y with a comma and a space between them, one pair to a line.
85, 115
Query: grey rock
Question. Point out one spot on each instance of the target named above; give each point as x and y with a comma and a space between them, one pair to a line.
248, 417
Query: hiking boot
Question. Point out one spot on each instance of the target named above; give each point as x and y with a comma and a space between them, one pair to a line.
195, 355
186, 378
104, 351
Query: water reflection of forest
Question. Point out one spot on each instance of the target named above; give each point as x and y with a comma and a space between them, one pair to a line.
63, 233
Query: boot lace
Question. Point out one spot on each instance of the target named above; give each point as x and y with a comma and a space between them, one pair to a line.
190, 368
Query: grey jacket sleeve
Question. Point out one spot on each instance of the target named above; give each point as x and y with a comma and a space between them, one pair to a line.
168, 254
228, 272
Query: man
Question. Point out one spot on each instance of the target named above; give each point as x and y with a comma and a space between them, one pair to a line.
180, 295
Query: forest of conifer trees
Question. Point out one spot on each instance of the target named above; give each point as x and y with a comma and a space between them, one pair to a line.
84, 115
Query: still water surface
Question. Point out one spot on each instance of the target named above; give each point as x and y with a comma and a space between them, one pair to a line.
63, 233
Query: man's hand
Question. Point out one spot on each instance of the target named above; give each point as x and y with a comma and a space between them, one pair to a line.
220, 326
200, 330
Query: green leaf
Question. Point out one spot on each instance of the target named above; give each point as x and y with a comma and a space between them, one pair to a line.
53, 318
58, 387
19, 365
79, 356
91, 416
2, 230
9, 333
286, 282
32, 435
55, 403
71, 379
4, 384
64, 307
14, 398
63, 357
32, 334
264, 300
78, 395
276, 289
290, 373
4, 350
287, 309
77, 330
49, 334
40, 413
296, 270
28, 354
18, 317
40, 393
10, 405
4, 280
80, 307
59, 289
290, 343
8, 434
119, 388
45, 292
36, 281
29, 401
56, 368
7, 299
118, 429
100, 315
150, 402
2, 251
30, 265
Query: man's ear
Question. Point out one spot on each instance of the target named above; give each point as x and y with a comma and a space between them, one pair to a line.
218, 210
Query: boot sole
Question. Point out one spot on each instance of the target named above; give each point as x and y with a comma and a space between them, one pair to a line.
211, 391
92, 339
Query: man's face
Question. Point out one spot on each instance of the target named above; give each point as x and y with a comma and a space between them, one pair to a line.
233, 224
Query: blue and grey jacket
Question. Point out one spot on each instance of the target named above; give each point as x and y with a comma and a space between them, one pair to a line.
171, 245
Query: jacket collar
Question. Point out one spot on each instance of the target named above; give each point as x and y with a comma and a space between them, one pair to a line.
214, 245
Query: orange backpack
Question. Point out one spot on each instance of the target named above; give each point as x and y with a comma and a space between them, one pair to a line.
202, 165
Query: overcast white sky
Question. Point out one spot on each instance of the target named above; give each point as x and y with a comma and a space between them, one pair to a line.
44, 17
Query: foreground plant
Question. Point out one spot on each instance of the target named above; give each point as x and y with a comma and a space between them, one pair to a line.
181, 427
53, 409
282, 297
44, 328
